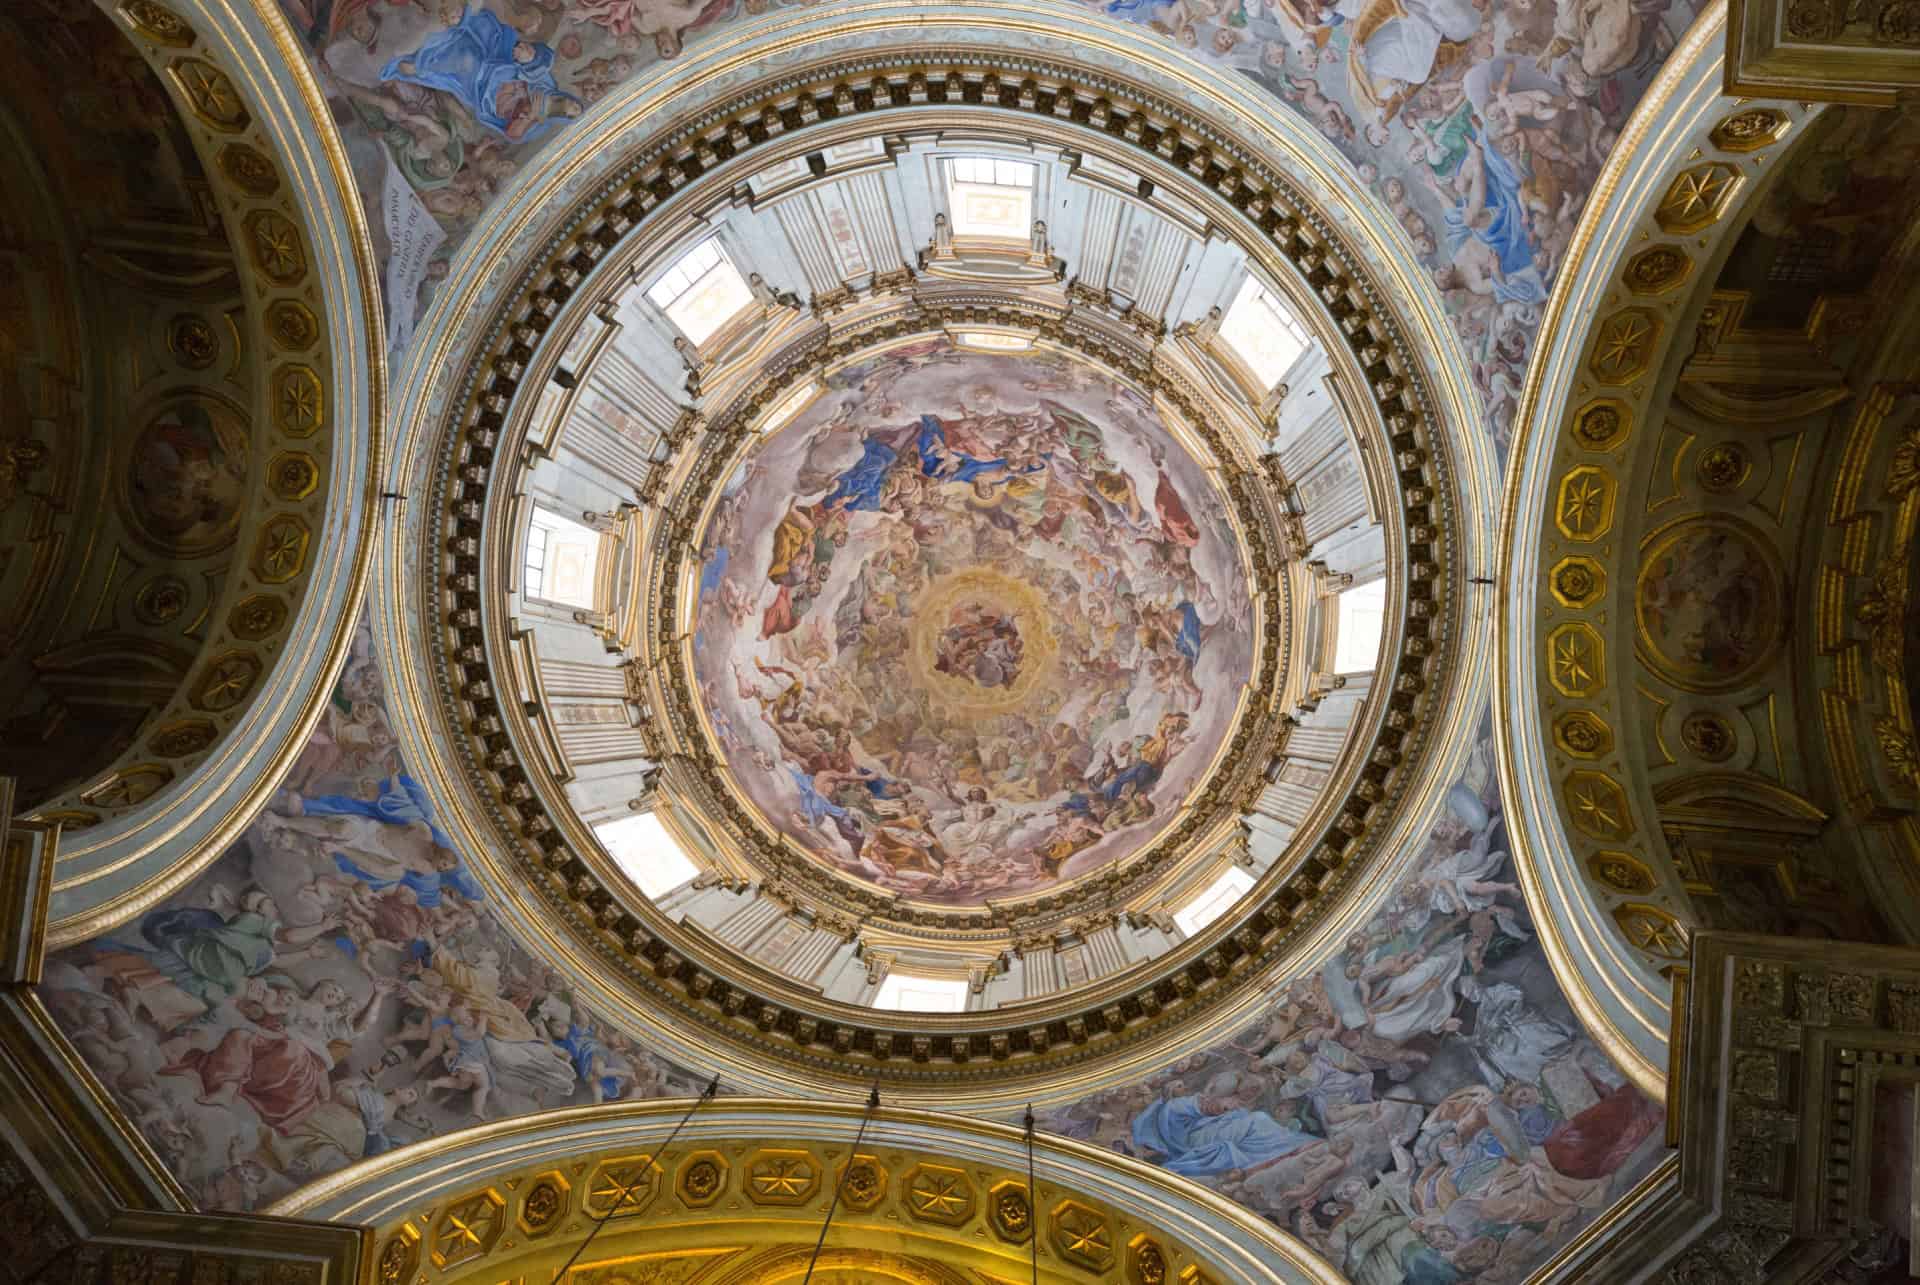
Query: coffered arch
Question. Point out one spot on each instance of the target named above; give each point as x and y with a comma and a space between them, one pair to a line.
1709, 758
186, 590
740, 1193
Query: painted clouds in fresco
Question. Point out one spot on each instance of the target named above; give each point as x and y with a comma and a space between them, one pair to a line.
333, 987
1421, 1107
1481, 125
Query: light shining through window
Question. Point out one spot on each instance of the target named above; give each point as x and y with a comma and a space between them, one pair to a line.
1357, 627
647, 853
1263, 332
991, 197
907, 993
561, 558
702, 292
1215, 901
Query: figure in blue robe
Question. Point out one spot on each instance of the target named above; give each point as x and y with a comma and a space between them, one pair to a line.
1140, 774
1505, 232
1196, 1142
582, 1046
402, 801
1188, 639
815, 806
936, 457
475, 59
860, 485
1137, 10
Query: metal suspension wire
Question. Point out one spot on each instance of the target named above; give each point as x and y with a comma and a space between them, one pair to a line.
833, 1206
1033, 1205
626, 1189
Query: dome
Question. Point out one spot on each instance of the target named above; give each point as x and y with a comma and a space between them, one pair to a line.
977, 667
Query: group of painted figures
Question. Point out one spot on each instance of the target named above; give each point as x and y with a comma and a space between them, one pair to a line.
1480, 124
331, 988
1420, 1108
813, 654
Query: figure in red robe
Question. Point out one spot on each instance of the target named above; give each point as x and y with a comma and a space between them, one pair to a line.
1174, 518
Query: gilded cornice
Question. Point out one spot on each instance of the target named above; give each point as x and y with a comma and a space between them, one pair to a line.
801, 1029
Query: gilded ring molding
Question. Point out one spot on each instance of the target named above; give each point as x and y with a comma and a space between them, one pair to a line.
800, 1031
1210, 815
920, 1161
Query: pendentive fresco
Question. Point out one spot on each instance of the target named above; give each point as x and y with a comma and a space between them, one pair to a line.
332, 987
1482, 127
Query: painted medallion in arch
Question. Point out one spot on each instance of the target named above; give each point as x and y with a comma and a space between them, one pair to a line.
1708, 603
971, 624
184, 482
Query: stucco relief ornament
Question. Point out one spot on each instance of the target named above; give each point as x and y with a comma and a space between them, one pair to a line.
1903, 758
158, 24
191, 341
1723, 467
1205, 330
767, 297
1812, 19
1708, 736
1883, 610
1899, 23
1903, 471
19, 457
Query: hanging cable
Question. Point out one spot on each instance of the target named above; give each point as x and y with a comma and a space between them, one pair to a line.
873, 1104
1033, 1205
627, 1189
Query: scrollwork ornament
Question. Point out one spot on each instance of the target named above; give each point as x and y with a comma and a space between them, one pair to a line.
1897, 745
399, 1259
1899, 23
1903, 470
1883, 610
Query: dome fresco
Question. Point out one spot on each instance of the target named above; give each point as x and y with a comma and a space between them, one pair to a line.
971, 624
